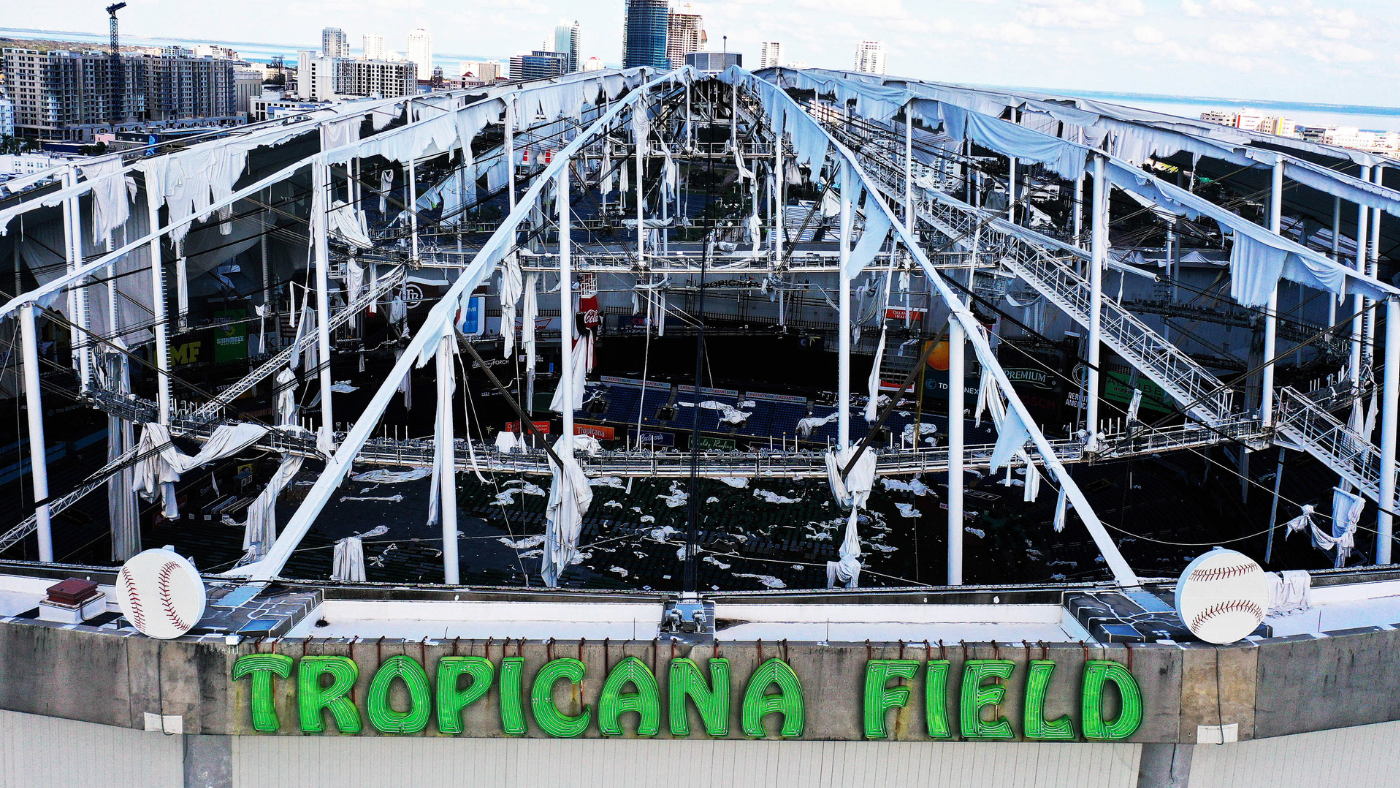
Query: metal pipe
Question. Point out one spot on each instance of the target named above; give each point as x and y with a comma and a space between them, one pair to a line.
38, 449
412, 207
321, 182
1373, 268
1266, 392
956, 344
1390, 395
1098, 254
158, 305
640, 141
843, 342
510, 147
566, 312
447, 482
909, 166
1336, 255
1358, 302
78, 297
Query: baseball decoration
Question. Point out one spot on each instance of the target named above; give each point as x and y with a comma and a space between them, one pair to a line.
1222, 596
161, 594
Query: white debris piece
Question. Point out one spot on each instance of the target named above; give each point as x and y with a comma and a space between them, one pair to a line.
646, 518
678, 497
805, 426
390, 498
908, 510
712, 499
381, 476
608, 481
709, 559
613, 504
914, 486
728, 413
522, 544
619, 570
906, 438
768, 581
342, 387
663, 533
737, 482
772, 497
977, 532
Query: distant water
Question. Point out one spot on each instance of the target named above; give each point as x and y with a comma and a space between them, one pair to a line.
249, 50
1302, 113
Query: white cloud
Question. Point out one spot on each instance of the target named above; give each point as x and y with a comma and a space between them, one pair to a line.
1192, 8
1075, 14
1148, 34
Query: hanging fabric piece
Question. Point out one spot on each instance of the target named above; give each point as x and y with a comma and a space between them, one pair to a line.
1032, 479
528, 316
444, 451
182, 284
1346, 513
852, 492
1012, 435
345, 225
873, 384
989, 398
1134, 405
354, 279
286, 394
877, 227
579, 369
386, 182
163, 463
745, 174
1060, 505
348, 562
510, 290
111, 195
569, 498
260, 528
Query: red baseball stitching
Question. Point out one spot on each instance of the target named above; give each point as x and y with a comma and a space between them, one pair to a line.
129, 588
165, 600
1224, 572
1221, 608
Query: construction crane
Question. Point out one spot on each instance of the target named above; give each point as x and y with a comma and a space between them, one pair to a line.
116, 74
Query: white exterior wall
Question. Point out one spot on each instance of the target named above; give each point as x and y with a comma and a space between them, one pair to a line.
48, 752
275, 761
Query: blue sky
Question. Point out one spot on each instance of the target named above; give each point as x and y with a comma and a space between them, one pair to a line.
1329, 51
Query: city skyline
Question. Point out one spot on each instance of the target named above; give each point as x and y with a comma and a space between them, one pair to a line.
1294, 50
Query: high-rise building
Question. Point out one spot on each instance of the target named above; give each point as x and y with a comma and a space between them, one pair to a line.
247, 85
66, 96
480, 71
315, 76
374, 46
420, 52
685, 33
7, 117
644, 34
566, 40
380, 78
771, 55
870, 57
593, 64
334, 43
539, 64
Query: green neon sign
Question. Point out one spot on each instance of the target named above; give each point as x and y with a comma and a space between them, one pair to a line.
324, 695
